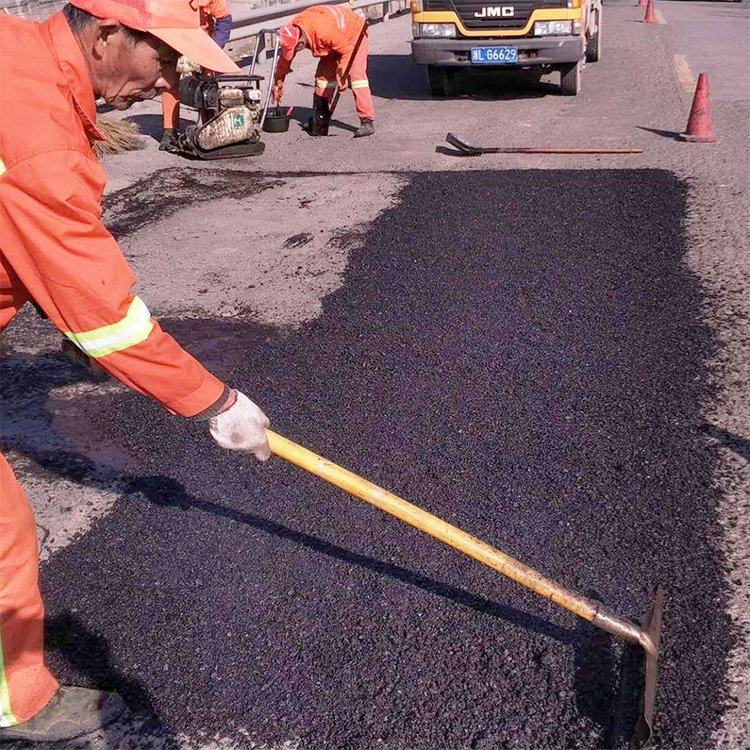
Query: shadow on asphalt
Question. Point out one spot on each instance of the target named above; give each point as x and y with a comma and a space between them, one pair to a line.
671, 134
398, 77
605, 682
164, 491
737, 443
151, 125
88, 654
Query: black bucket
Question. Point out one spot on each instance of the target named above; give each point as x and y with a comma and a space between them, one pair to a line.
277, 120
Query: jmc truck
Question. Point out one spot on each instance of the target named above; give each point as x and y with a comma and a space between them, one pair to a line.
545, 34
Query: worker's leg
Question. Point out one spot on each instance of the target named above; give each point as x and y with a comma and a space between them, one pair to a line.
170, 113
170, 109
26, 685
325, 77
325, 88
360, 84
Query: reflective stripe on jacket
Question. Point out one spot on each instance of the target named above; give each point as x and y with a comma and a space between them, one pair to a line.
54, 248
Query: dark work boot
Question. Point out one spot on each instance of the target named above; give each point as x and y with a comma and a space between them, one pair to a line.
321, 117
72, 712
366, 127
169, 141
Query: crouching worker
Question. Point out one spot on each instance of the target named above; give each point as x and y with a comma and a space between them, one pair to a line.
55, 251
216, 21
338, 37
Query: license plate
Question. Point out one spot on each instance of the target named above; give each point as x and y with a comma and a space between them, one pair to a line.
494, 55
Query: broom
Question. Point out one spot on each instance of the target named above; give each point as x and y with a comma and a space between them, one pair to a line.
120, 136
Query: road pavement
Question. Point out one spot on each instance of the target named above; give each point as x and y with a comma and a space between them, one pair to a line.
551, 354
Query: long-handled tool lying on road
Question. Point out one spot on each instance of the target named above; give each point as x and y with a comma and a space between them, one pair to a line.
467, 149
647, 637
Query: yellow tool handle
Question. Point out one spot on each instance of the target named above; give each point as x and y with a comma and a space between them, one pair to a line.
432, 525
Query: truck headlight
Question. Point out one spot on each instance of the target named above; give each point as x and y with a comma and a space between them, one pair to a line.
435, 30
553, 28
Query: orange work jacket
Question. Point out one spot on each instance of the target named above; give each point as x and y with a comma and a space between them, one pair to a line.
210, 10
330, 29
54, 248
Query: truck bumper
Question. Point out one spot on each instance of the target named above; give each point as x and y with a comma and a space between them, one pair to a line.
557, 50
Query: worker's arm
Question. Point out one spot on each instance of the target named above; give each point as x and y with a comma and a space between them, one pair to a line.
283, 68
74, 270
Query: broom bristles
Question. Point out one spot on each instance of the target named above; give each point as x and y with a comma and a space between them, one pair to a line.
120, 135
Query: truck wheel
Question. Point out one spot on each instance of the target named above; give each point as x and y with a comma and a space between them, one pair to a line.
439, 80
570, 79
594, 42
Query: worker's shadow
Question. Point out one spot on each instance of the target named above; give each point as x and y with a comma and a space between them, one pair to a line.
88, 654
35, 439
301, 116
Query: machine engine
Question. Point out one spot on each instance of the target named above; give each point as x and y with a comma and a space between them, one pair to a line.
231, 112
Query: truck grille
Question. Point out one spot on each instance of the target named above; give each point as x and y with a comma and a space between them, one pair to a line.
466, 10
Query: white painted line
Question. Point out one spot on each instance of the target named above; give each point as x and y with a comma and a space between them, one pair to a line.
660, 18
684, 74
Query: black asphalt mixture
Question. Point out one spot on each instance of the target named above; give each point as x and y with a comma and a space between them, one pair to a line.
520, 353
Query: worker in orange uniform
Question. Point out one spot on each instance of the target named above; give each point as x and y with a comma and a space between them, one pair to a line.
330, 32
55, 251
216, 21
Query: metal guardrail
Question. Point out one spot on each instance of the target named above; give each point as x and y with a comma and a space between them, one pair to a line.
260, 22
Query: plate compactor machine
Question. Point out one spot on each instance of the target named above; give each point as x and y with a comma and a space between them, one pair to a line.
231, 116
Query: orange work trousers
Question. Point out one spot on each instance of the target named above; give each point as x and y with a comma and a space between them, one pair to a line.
326, 85
26, 685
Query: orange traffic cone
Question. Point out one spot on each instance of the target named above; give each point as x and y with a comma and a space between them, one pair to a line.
699, 123
650, 15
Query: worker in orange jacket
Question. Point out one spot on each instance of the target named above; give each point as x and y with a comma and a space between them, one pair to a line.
216, 21
330, 32
55, 251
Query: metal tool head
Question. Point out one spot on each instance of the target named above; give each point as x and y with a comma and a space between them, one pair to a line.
466, 148
652, 629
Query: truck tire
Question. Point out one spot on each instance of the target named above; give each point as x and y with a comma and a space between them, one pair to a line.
594, 42
570, 79
439, 79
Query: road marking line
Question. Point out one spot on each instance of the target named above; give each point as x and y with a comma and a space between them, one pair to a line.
684, 74
660, 18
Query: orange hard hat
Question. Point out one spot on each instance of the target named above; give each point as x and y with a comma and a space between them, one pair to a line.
175, 22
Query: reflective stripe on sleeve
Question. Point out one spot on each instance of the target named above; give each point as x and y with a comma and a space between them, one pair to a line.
364, 84
7, 719
131, 330
2, 168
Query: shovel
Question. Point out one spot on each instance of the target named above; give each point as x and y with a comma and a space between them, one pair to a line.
469, 149
647, 636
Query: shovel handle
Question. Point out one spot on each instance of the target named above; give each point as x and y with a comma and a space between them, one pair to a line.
432, 525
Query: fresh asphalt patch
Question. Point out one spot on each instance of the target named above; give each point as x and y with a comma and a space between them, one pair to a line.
521, 353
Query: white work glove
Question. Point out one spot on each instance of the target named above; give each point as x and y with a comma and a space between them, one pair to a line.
241, 427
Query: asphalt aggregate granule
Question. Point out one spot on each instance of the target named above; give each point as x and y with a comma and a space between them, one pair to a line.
521, 353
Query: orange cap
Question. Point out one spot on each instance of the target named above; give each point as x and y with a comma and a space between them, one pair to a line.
175, 22
289, 37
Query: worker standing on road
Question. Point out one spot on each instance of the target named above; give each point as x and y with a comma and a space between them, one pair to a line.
55, 251
216, 21
330, 32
